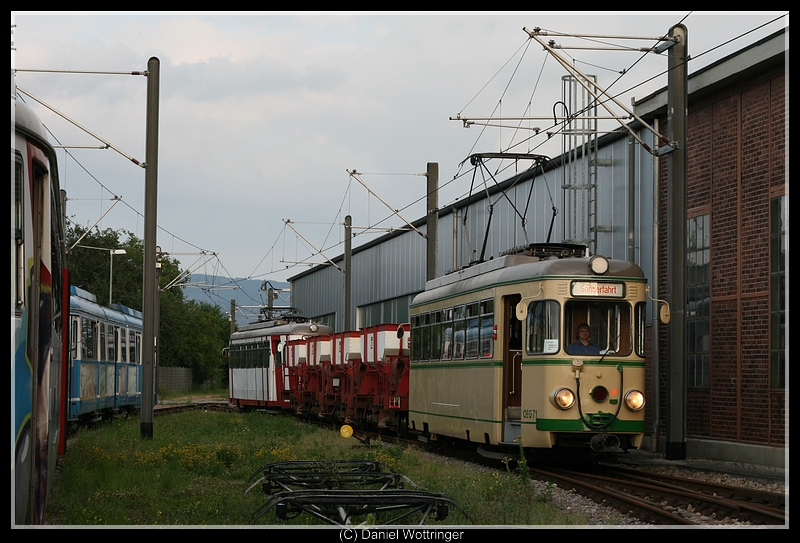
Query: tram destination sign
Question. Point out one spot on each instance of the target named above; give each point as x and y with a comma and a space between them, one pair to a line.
593, 288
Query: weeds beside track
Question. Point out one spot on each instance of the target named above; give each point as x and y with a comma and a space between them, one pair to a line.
195, 469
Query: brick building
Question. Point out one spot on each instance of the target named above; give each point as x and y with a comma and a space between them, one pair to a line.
736, 256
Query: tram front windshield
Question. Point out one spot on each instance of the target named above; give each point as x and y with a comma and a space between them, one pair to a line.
609, 326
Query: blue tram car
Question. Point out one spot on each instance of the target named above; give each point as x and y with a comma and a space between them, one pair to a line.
105, 376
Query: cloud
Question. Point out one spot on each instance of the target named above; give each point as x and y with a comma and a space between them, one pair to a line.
262, 77
262, 113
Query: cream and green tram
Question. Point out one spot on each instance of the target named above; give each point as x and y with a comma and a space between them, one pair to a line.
494, 359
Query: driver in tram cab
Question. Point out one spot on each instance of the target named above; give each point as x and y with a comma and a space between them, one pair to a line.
583, 345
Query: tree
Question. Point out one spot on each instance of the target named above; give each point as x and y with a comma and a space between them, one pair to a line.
191, 334
89, 262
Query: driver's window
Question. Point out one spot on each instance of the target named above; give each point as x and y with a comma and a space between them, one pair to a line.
609, 328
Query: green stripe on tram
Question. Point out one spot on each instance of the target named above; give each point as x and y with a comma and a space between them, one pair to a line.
463, 364
555, 425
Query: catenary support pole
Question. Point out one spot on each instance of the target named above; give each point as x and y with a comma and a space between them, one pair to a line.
149, 287
348, 272
677, 98
432, 220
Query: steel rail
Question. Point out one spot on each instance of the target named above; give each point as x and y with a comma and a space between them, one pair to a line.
621, 500
678, 496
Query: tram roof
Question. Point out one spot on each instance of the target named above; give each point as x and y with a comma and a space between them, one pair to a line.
281, 328
520, 268
26, 120
82, 301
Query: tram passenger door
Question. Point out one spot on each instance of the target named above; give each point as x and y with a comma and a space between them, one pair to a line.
512, 369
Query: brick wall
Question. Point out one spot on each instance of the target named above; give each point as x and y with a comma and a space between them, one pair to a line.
736, 165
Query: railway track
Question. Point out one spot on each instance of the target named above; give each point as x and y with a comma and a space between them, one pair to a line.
163, 409
763, 506
666, 500
658, 498
655, 498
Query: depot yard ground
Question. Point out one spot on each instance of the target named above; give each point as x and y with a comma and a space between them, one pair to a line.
196, 469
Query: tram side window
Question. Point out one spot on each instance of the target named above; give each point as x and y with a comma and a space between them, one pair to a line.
459, 327
135, 347
421, 337
74, 336
234, 359
439, 335
543, 323
88, 339
609, 324
251, 355
113, 337
416, 348
102, 351
473, 329
425, 336
436, 335
447, 334
487, 329
263, 354
241, 358
123, 344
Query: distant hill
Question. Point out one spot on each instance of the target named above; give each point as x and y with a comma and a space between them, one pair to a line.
247, 293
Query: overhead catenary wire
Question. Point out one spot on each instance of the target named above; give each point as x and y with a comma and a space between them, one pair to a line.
561, 34
331, 262
103, 186
600, 97
502, 167
355, 175
62, 115
459, 175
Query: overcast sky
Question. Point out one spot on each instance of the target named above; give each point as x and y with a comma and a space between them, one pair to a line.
262, 114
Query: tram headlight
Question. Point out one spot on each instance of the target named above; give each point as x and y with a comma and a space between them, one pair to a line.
563, 398
598, 264
634, 400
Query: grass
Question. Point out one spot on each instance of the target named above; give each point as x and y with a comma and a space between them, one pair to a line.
196, 469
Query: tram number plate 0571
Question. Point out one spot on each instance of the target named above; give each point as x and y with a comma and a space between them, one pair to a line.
529, 414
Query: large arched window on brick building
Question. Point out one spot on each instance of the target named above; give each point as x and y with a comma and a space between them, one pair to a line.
777, 305
698, 236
